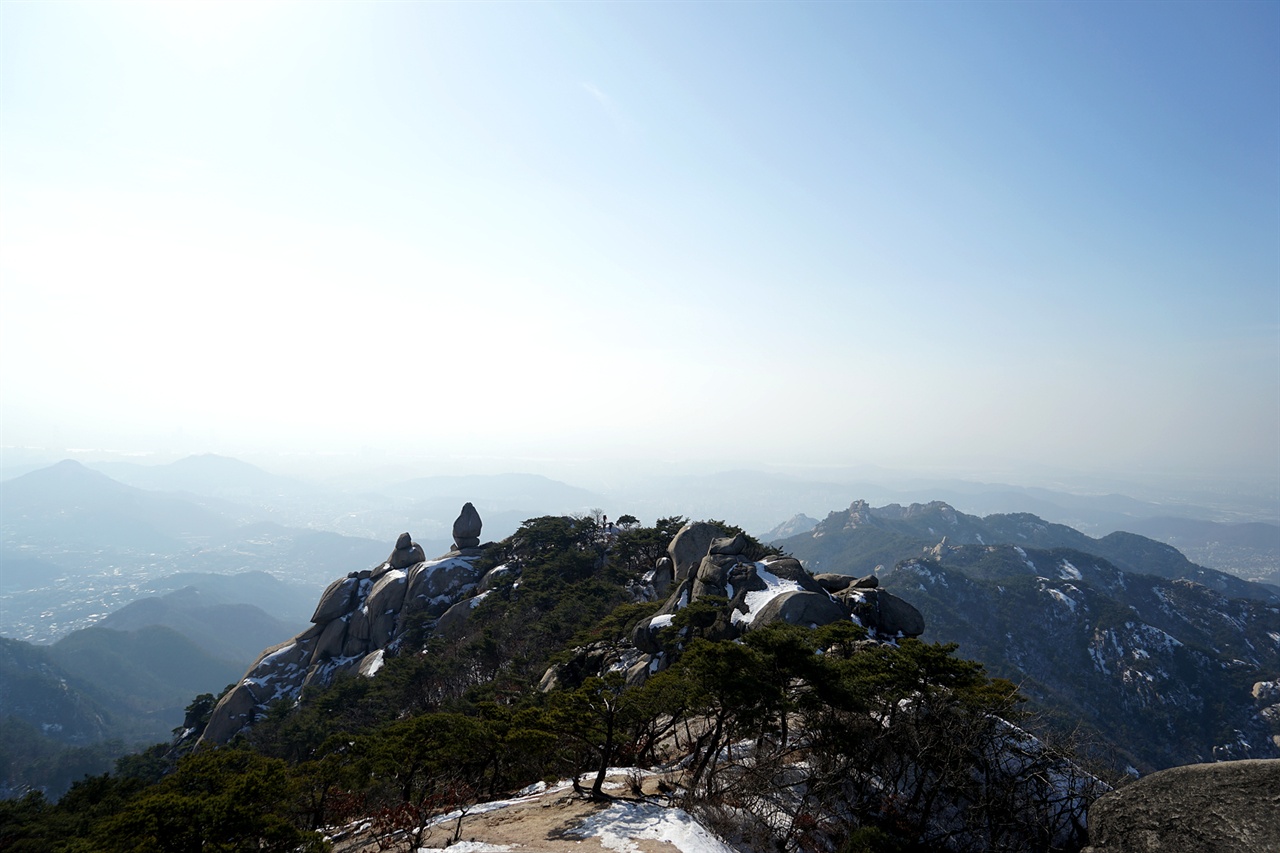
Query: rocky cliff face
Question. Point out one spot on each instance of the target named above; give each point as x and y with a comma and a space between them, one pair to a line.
358, 619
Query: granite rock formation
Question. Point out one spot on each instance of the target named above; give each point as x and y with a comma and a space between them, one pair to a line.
775, 588
358, 619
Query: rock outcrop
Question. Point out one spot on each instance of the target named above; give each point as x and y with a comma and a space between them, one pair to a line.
466, 529
1227, 807
407, 553
358, 620
690, 545
760, 592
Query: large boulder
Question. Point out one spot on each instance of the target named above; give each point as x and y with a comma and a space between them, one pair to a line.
1227, 807
663, 576
466, 528
337, 600
454, 620
713, 575
691, 544
495, 576
832, 582
237, 709
387, 593
407, 553
789, 568
802, 608
732, 545
436, 585
882, 611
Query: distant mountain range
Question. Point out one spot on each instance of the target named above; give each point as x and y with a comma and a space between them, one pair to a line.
74, 506
221, 625
209, 475
1153, 652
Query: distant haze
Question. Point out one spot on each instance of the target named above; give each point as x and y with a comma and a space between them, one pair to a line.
1032, 237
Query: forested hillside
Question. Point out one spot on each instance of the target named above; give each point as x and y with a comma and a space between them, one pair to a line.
791, 737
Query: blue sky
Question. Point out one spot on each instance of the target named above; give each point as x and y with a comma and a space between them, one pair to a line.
924, 234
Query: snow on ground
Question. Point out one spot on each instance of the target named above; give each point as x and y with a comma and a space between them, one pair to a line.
550, 818
1062, 598
758, 599
374, 663
622, 824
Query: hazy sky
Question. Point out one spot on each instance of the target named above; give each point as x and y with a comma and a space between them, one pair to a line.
821, 233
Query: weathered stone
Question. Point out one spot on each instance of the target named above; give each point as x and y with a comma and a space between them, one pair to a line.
639, 672
330, 643
232, 713
645, 635
663, 576
800, 608
712, 577
786, 567
454, 620
743, 578
690, 545
337, 600
679, 597
311, 633
382, 629
358, 626
387, 593
1227, 807
494, 576
357, 616
702, 589
370, 664
407, 553
732, 545
353, 646
714, 568
883, 611
280, 659
791, 569
832, 582
435, 586
866, 582
466, 528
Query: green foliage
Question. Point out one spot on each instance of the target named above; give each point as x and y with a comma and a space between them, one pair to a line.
31, 760
693, 621
217, 800
637, 549
27, 824
617, 626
